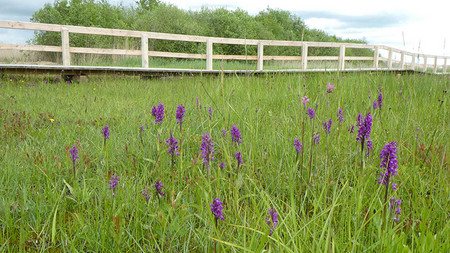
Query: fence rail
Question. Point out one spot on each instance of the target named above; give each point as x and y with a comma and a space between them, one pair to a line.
408, 60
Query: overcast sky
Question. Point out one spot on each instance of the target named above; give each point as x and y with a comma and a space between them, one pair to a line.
412, 25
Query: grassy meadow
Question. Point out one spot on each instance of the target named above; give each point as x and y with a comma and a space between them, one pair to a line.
326, 196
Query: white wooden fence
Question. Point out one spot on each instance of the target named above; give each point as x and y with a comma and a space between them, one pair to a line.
408, 60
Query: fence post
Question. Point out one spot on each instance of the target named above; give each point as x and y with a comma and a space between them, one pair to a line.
65, 46
444, 67
144, 50
402, 60
390, 58
260, 61
425, 58
209, 54
304, 55
341, 58
375, 57
413, 61
435, 64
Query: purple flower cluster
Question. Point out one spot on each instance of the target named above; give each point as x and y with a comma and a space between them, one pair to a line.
316, 139
235, 135
340, 116
74, 154
305, 100
375, 104
272, 220
210, 111
216, 209
327, 126
369, 147
379, 102
365, 127
173, 146
158, 188
298, 146
222, 165
142, 128
330, 87
394, 187
224, 133
113, 184
158, 113
105, 132
207, 148
311, 113
146, 194
180, 114
351, 128
389, 163
395, 204
238, 158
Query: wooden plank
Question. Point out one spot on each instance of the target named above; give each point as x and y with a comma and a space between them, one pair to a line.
236, 57
83, 50
390, 58
362, 46
282, 58
444, 67
305, 56
435, 64
260, 61
65, 46
144, 50
176, 55
425, 58
358, 58
107, 51
413, 61
78, 70
136, 34
323, 58
30, 26
375, 56
341, 64
402, 60
280, 43
234, 41
31, 48
209, 55
105, 31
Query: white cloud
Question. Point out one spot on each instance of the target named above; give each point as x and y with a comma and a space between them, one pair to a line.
426, 24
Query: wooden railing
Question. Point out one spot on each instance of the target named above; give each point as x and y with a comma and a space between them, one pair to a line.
408, 60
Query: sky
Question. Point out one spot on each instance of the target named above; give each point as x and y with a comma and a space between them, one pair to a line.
420, 27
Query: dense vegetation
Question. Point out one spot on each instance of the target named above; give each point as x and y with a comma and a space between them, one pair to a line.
270, 24
68, 185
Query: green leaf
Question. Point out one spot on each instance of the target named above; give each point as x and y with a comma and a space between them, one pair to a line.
54, 226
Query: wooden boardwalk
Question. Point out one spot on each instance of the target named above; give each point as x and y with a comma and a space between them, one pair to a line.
68, 72
380, 57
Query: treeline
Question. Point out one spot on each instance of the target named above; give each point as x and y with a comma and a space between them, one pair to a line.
155, 16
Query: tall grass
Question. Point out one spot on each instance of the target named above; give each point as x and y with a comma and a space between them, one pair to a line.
42, 207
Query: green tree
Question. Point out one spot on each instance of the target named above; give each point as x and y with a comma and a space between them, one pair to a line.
147, 5
82, 13
154, 16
